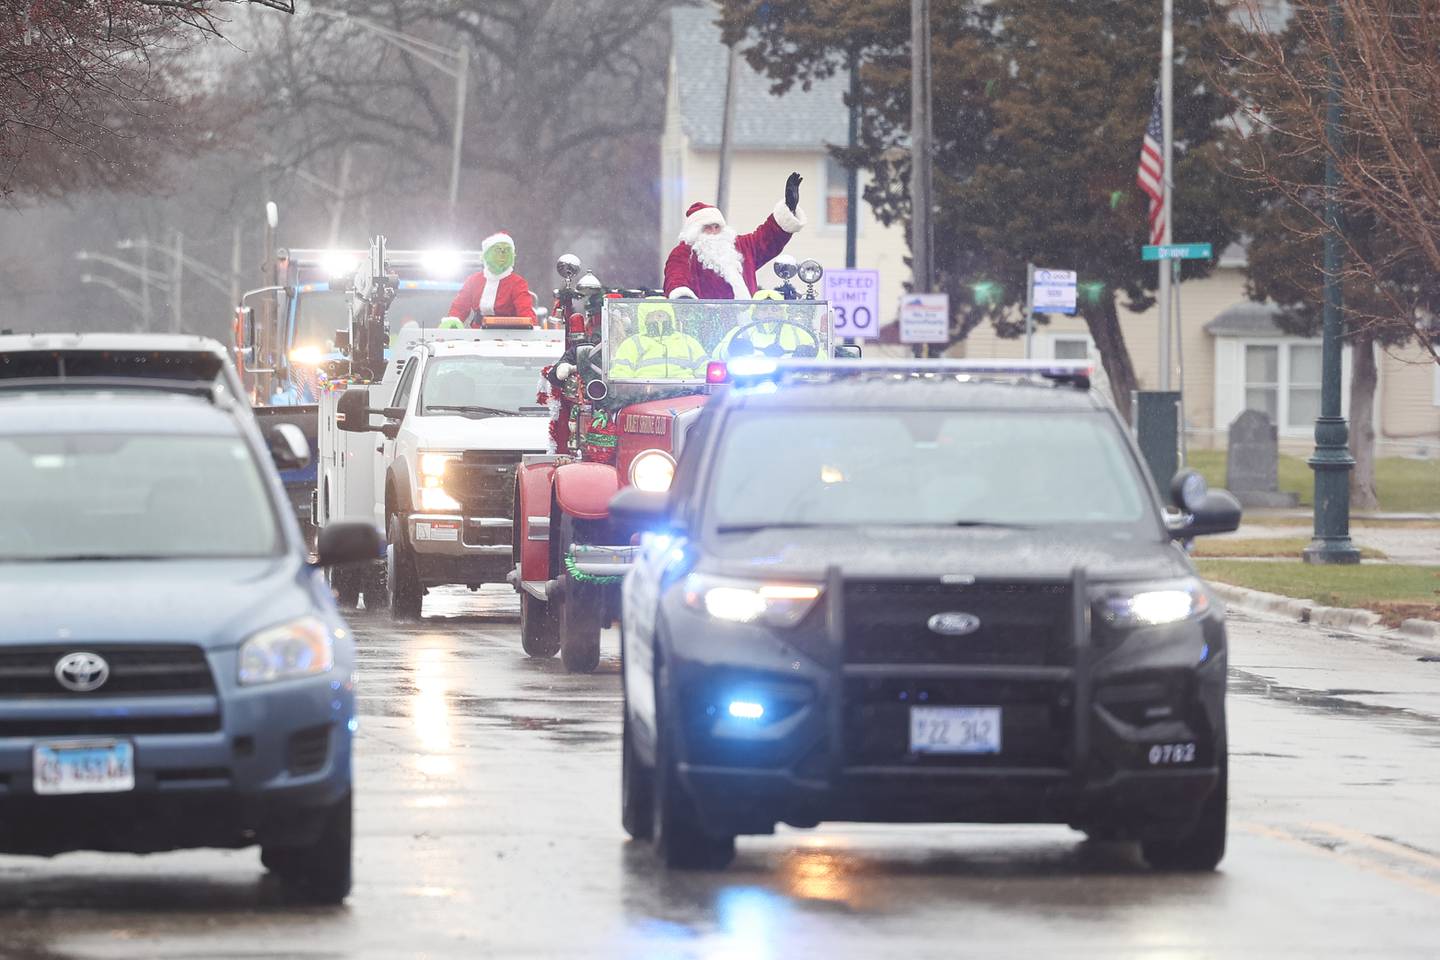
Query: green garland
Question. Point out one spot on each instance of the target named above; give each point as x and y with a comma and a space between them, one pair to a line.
580, 576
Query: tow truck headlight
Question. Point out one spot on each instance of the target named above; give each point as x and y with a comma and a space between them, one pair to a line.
300, 648
433, 497
1153, 604
307, 355
777, 604
652, 471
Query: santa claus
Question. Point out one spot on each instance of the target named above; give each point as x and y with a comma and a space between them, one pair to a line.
497, 290
712, 262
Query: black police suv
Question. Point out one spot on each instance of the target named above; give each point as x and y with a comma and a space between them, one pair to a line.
921, 592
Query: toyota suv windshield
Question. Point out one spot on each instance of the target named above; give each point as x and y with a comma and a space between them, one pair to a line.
924, 467
132, 496
481, 386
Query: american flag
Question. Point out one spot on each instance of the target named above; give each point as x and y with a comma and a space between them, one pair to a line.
1151, 175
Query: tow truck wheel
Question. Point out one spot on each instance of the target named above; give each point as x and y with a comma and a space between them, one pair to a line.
405, 590
1202, 849
680, 841
321, 872
579, 620
345, 581
538, 633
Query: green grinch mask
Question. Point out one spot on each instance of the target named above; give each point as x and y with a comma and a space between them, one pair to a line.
500, 257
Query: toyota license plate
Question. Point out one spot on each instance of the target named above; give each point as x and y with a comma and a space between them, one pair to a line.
954, 729
103, 766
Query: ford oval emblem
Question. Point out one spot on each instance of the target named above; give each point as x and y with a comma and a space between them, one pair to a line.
956, 624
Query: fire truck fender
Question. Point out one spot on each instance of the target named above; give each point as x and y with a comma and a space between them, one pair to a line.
532, 520
583, 490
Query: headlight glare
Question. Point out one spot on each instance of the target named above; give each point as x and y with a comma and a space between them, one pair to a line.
433, 464
739, 601
1154, 604
652, 471
300, 648
435, 500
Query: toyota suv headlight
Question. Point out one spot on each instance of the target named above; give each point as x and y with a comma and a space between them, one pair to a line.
300, 648
1152, 604
431, 476
775, 603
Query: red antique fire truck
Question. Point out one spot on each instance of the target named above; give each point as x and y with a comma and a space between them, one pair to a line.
631, 384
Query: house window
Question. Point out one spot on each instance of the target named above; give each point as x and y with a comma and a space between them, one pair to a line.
1070, 348
1282, 381
837, 195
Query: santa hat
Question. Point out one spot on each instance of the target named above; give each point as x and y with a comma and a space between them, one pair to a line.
494, 238
703, 214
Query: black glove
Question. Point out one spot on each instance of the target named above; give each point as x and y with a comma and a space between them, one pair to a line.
792, 191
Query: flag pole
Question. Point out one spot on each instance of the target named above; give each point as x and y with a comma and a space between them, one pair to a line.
1167, 93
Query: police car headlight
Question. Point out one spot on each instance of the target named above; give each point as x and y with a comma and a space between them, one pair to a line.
1153, 604
742, 601
652, 471
300, 648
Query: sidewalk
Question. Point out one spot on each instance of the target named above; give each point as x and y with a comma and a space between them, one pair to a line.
1402, 537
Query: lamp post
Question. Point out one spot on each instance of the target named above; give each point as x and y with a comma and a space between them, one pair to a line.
922, 233
1332, 462
455, 64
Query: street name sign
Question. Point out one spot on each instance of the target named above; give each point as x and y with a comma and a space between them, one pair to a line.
1177, 251
854, 297
925, 318
1054, 291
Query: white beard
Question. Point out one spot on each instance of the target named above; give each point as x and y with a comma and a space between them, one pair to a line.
717, 252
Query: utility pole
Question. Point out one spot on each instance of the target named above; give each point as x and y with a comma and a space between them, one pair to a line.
177, 279
1332, 461
852, 179
727, 131
1167, 100
921, 202
462, 81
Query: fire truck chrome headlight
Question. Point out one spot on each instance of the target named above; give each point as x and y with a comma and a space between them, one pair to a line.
1153, 604
652, 471
300, 648
743, 601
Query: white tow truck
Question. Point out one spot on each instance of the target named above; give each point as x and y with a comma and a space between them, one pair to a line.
429, 455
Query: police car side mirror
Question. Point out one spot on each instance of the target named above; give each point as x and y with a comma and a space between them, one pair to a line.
639, 511
1200, 510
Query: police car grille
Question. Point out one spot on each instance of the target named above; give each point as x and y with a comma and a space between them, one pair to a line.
1020, 623
144, 670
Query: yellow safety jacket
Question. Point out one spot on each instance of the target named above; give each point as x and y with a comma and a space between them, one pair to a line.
673, 356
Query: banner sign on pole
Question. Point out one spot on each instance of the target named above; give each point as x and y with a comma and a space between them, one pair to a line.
1054, 291
925, 318
854, 297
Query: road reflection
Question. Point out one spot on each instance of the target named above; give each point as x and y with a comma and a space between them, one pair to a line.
430, 706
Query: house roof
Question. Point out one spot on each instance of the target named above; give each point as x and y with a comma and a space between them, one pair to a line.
800, 120
1246, 319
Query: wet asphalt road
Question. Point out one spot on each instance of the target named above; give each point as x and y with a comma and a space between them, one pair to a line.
488, 819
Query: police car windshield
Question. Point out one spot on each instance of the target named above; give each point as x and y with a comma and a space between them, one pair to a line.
481, 386
675, 340
132, 496
924, 467
319, 313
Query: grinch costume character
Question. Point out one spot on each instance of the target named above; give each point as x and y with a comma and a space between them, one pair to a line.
497, 290
712, 262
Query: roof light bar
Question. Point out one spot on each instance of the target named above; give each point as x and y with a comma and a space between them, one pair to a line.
759, 369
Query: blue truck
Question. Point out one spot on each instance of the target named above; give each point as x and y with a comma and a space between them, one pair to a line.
286, 334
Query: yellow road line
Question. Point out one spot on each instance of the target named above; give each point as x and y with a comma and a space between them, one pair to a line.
1409, 879
1379, 844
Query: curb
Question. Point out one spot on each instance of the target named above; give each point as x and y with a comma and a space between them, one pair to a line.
1341, 618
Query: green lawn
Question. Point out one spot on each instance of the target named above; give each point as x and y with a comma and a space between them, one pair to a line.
1404, 486
1394, 590
1263, 547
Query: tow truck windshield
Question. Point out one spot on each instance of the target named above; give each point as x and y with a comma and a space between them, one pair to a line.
132, 497
924, 467
481, 386
319, 313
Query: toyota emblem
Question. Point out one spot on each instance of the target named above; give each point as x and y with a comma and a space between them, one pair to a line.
82, 672
954, 624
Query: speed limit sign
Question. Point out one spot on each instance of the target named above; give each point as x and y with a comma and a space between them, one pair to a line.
854, 297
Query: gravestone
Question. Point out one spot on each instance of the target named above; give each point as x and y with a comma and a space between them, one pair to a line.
1252, 468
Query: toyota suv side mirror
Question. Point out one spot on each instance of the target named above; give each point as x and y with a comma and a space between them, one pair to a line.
288, 446
348, 542
638, 511
1201, 510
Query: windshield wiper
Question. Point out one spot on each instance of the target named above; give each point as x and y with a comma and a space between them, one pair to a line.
86, 557
988, 523
465, 408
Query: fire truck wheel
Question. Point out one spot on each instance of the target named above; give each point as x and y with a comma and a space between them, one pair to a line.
579, 618
345, 582
538, 633
405, 590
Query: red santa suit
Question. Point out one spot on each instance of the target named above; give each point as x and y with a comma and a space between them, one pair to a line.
489, 294
723, 266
